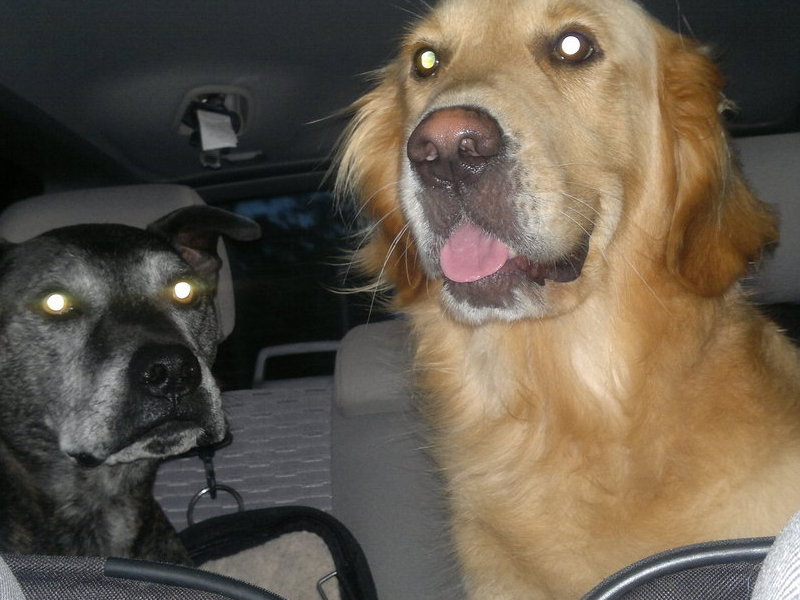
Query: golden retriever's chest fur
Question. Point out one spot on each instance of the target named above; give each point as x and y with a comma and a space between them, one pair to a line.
563, 466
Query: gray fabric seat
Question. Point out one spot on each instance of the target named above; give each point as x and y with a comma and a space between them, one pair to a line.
385, 487
770, 163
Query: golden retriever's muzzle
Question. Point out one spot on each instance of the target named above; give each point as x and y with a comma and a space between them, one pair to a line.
467, 178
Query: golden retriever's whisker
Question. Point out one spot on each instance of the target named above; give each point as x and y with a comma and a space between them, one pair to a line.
366, 201
582, 202
406, 254
627, 262
370, 230
386, 186
368, 288
366, 234
578, 223
594, 165
586, 231
589, 186
350, 259
416, 13
380, 279
647, 285
393, 245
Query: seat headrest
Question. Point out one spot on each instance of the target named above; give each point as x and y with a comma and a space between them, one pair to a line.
770, 164
373, 369
136, 205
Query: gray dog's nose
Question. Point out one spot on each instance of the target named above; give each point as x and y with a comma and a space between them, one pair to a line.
452, 146
165, 370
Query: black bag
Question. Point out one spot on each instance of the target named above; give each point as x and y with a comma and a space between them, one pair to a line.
725, 570
31, 577
223, 536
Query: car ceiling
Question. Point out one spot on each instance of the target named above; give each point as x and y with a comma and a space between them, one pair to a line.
91, 90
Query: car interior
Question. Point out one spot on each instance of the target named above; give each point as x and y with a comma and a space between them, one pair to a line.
121, 112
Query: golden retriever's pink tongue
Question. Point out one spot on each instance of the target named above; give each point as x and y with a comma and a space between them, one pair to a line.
471, 254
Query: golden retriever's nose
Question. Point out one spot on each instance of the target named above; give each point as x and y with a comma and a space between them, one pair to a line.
453, 146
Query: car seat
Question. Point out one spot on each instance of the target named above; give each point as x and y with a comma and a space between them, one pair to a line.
385, 487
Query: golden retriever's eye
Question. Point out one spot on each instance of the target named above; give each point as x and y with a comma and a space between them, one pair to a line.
574, 47
426, 62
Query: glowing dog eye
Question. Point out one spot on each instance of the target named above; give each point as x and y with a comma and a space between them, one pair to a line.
574, 47
426, 62
57, 304
184, 292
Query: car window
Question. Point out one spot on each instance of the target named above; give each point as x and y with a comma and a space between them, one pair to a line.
291, 285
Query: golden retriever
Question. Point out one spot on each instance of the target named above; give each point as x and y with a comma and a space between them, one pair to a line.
556, 206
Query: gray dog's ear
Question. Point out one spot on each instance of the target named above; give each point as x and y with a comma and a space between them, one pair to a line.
194, 231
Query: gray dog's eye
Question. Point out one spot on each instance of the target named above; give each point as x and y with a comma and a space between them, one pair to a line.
574, 46
184, 292
426, 62
57, 304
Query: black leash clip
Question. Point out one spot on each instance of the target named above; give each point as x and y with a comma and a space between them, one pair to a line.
206, 454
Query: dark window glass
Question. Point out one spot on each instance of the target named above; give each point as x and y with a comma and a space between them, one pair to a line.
290, 285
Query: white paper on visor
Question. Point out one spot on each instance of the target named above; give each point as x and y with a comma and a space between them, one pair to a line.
216, 130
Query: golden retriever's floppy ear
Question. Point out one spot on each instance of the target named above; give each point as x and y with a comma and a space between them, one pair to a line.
369, 173
718, 225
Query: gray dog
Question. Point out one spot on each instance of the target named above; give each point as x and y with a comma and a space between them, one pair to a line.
107, 333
